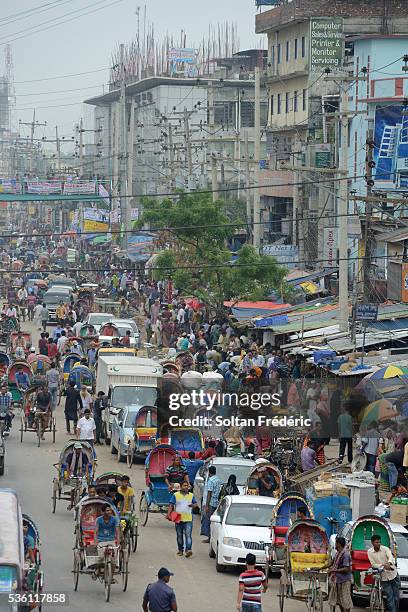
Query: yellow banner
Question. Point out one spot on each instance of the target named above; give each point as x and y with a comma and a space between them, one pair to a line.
31, 209
95, 226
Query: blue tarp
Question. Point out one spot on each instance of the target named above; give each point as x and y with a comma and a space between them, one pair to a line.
273, 321
140, 247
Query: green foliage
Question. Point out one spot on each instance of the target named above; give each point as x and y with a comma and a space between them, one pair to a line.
196, 256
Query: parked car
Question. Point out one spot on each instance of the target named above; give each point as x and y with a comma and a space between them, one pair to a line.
361, 597
225, 467
240, 525
124, 324
97, 319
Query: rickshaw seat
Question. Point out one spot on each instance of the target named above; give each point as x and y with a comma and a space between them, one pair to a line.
300, 561
279, 541
360, 561
280, 530
88, 537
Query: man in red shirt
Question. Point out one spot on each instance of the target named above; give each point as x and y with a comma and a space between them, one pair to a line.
210, 451
52, 349
126, 339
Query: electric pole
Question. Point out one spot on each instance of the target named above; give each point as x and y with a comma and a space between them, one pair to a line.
33, 126
188, 144
81, 147
343, 210
367, 237
122, 153
257, 156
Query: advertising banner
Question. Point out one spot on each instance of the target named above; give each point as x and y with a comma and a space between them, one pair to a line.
79, 188
330, 241
391, 151
44, 187
7, 186
95, 226
326, 43
285, 254
96, 214
187, 56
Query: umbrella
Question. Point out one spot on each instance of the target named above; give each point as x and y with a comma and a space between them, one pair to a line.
381, 410
389, 371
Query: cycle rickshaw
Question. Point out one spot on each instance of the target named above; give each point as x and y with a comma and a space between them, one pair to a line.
87, 559
157, 495
64, 483
15, 390
284, 515
301, 578
33, 573
35, 420
102, 485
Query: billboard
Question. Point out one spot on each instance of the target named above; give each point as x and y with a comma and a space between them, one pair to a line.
285, 254
391, 151
330, 241
326, 43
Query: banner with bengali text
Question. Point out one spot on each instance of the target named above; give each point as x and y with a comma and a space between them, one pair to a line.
79, 188
44, 187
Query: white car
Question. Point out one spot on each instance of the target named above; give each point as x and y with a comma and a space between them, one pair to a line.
123, 328
97, 319
241, 525
225, 467
401, 537
123, 325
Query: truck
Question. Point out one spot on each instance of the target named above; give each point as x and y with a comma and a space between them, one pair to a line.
127, 381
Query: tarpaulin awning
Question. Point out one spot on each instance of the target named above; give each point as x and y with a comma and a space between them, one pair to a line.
309, 287
250, 310
140, 247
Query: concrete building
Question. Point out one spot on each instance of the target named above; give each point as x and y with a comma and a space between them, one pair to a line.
305, 37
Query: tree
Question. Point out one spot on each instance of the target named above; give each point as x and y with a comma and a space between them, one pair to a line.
194, 237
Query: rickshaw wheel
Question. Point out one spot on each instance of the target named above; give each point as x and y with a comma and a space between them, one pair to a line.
108, 579
76, 570
129, 457
318, 602
281, 595
54, 497
134, 537
54, 429
124, 568
143, 510
22, 429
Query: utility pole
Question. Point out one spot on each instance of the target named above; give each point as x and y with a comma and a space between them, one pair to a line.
214, 177
81, 147
248, 180
211, 121
257, 156
57, 143
188, 143
368, 208
33, 126
343, 200
130, 159
124, 204
171, 159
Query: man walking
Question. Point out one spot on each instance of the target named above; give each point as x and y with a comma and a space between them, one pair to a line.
99, 406
210, 501
53, 381
159, 596
183, 502
252, 583
345, 426
44, 316
73, 404
86, 428
381, 558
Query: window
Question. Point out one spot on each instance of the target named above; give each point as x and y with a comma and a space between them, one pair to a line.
279, 54
287, 50
279, 104
303, 46
287, 102
296, 48
304, 100
272, 105
295, 101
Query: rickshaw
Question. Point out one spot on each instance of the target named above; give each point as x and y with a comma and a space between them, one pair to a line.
12, 550
16, 392
87, 559
108, 330
17, 265
360, 541
35, 420
186, 439
40, 364
73, 341
81, 375
102, 485
4, 364
157, 493
20, 339
284, 514
145, 433
7, 326
33, 573
252, 482
69, 361
301, 578
184, 361
63, 483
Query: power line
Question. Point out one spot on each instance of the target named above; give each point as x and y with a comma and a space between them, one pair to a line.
62, 76
30, 12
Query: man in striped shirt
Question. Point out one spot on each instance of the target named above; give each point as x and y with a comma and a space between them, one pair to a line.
252, 583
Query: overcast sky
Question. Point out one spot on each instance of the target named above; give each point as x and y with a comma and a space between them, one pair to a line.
84, 43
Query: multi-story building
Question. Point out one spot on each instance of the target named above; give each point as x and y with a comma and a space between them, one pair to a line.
306, 38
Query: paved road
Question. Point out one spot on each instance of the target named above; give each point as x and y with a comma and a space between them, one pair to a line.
199, 588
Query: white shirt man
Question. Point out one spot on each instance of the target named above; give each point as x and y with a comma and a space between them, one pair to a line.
11, 312
77, 328
86, 426
181, 315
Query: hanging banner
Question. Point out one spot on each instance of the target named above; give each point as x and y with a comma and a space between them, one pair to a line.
134, 214
44, 188
96, 214
330, 242
104, 194
9, 186
326, 43
95, 226
79, 187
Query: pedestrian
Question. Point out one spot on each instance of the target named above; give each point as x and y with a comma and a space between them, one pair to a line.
252, 583
381, 558
100, 404
211, 498
52, 349
182, 502
192, 466
86, 398
345, 426
86, 427
159, 596
44, 316
340, 577
53, 383
73, 403
370, 445
308, 457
